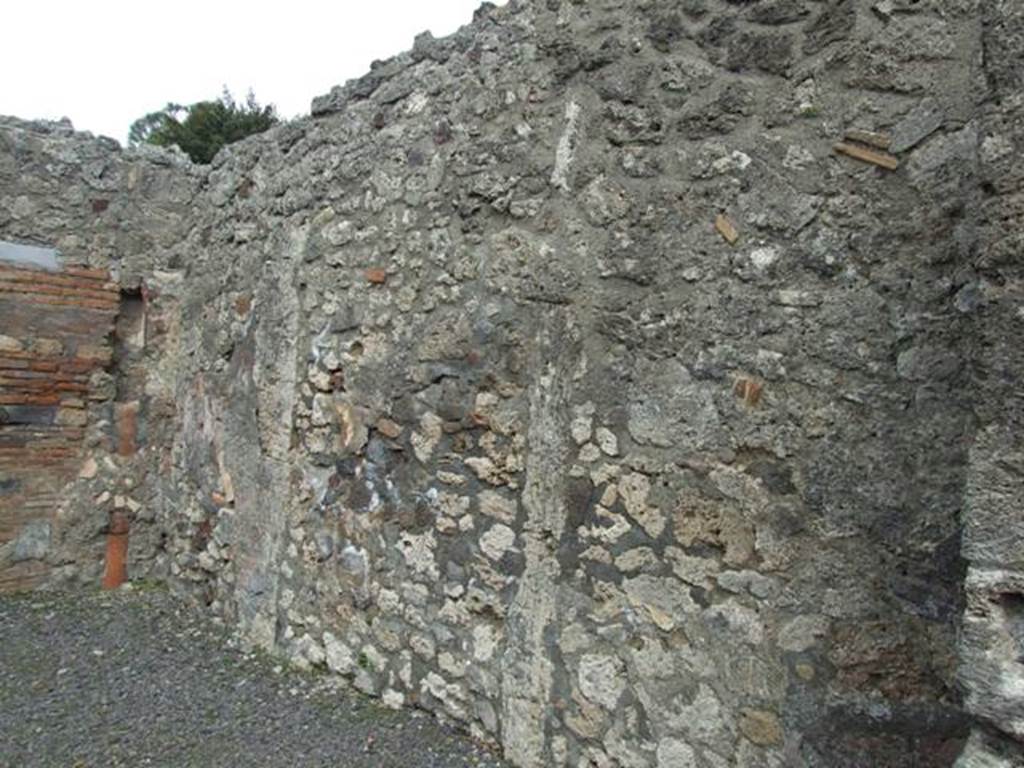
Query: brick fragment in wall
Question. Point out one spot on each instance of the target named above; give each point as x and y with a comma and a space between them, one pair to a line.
126, 427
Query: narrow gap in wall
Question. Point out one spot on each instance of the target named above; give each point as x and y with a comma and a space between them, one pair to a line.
129, 345
129, 371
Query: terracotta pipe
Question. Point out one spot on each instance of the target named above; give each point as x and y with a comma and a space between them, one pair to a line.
116, 571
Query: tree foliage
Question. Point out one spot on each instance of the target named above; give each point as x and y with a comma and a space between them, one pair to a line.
201, 129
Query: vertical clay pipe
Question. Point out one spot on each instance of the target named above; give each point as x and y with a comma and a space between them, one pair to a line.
117, 551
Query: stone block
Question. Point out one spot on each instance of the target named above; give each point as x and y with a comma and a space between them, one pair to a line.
992, 649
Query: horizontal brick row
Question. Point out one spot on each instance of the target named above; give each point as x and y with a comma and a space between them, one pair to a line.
25, 375
92, 305
31, 386
33, 280
76, 270
85, 289
22, 433
22, 509
41, 430
32, 451
57, 292
20, 576
98, 357
53, 336
35, 399
97, 279
26, 459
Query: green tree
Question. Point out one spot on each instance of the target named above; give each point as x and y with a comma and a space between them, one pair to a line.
201, 129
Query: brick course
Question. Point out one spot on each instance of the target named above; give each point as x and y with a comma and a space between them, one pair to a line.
55, 334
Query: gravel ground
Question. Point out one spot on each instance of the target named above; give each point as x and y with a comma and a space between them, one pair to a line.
136, 679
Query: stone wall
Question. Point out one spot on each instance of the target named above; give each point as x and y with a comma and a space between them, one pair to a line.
992, 637
54, 340
564, 377
83, 349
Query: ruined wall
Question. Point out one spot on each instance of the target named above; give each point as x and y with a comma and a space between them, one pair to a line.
563, 378
992, 637
81, 392
506, 428
55, 327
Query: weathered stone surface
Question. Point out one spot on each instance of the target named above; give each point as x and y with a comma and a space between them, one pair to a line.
991, 637
601, 679
985, 751
455, 389
761, 728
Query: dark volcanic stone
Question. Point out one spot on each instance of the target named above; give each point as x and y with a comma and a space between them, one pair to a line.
771, 53
834, 24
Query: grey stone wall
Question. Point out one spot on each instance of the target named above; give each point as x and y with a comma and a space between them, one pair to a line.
126, 214
562, 378
992, 638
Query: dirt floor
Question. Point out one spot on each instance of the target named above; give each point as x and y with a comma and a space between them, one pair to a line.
134, 678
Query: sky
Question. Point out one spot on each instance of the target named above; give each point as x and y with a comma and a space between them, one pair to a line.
107, 62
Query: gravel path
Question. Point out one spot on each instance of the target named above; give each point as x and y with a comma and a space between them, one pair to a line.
136, 679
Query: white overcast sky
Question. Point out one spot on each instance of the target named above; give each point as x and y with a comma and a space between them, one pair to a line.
105, 63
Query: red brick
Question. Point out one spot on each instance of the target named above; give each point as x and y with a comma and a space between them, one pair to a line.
8, 286
376, 276
126, 417
13, 274
69, 301
83, 271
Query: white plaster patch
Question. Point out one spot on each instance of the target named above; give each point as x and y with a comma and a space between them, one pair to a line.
448, 664
610, 495
636, 560
734, 161
633, 488
425, 441
698, 571
388, 601
566, 150
769, 363
580, 428
448, 693
602, 679
762, 258
484, 642
797, 158
673, 753
338, 655
608, 534
803, 632
423, 645
497, 541
452, 505
418, 552
607, 441
743, 623
664, 601
486, 470
416, 103
700, 721
597, 554
493, 504
806, 93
